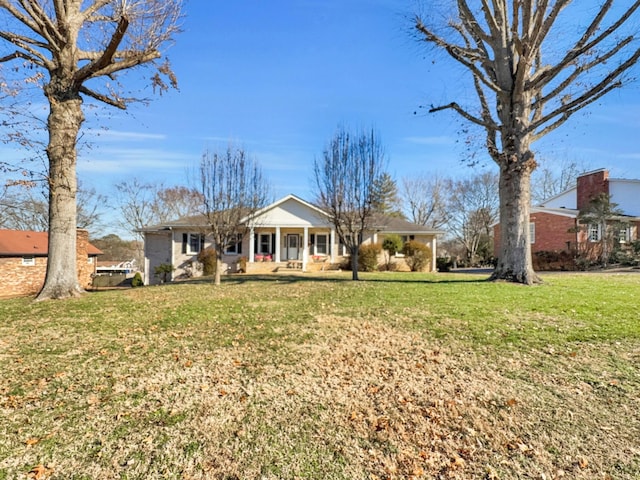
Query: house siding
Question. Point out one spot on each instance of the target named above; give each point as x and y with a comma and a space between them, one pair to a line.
289, 216
157, 250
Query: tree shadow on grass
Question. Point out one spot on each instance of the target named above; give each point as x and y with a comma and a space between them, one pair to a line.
243, 278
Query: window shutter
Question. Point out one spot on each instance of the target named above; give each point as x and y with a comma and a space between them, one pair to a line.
201, 242
273, 244
185, 241
239, 244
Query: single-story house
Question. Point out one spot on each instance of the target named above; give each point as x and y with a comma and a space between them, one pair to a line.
554, 224
289, 233
23, 261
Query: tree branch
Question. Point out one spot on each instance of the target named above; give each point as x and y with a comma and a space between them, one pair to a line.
580, 69
604, 86
114, 102
106, 58
31, 54
462, 112
542, 78
462, 55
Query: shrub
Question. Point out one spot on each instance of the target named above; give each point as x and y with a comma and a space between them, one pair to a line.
392, 244
624, 257
207, 257
242, 265
417, 255
549, 260
368, 257
136, 281
443, 264
163, 271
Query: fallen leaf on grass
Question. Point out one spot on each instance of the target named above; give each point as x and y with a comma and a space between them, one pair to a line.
32, 441
40, 472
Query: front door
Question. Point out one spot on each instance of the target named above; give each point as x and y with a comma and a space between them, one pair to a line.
293, 246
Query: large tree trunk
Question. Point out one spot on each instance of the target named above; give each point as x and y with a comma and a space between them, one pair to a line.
514, 257
65, 119
217, 277
354, 265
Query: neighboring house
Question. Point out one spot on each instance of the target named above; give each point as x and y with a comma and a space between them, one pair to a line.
23, 261
290, 233
126, 267
554, 224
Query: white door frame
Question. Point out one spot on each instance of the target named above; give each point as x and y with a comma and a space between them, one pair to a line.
292, 249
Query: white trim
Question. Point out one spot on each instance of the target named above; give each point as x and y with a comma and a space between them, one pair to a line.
326, 244
228, 251
532, 233
269, 246
594, 228
277, 203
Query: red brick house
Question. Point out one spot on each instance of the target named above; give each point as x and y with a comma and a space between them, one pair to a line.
554, 224
23, 261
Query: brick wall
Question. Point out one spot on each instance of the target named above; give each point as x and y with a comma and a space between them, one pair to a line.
552, 232
17, 279
86, 265
591, 185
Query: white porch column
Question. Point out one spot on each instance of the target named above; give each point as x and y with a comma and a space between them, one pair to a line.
433, 254
305, 249
333, 246
173, 252
277, 245
252, 243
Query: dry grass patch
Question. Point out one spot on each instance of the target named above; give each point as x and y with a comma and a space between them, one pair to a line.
250, 383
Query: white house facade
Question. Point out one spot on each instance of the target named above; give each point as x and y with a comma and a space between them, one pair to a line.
288, 234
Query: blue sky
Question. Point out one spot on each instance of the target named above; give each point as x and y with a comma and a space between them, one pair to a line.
277, 77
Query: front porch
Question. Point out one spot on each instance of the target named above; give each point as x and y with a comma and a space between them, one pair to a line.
302, 248
294, 266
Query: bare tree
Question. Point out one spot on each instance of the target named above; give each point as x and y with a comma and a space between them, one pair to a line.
345, 179
425, 199
529, 78
548, 181
473, 207
137, 201
115, 248
77, 48
176, 202
233, 189
26, 208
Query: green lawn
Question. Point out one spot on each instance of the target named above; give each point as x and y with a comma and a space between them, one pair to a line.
398, 376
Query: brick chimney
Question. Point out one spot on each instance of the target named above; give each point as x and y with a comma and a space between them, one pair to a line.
590, 185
